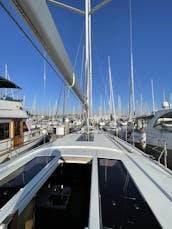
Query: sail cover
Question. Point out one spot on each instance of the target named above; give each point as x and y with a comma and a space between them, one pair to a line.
38, 17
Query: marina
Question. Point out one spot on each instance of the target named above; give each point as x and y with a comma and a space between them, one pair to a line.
88, 174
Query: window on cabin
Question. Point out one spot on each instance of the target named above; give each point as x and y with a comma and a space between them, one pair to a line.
4, 131
164, 123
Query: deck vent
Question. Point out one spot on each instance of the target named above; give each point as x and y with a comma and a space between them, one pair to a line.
86, 138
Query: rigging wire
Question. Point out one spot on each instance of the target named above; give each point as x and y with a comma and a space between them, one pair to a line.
58, 102
79, 45
105, 79
45, 75
33, 44
132, 96
76, 58
82, 66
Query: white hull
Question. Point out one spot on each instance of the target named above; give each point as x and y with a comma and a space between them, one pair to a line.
158, 131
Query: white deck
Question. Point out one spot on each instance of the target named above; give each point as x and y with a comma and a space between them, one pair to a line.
153, 180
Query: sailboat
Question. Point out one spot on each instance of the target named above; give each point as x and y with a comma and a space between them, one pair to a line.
83, 180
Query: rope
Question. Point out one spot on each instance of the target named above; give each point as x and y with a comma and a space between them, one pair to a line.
104, 79
77, 54
79, 45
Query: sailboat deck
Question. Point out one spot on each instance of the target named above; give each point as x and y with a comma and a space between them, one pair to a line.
153, 181
100, 143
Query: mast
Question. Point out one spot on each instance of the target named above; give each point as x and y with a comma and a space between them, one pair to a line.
88, 53
46, 32
170, 100
141, 104
132, 99
55, 110
111, 101
153, 99
64, 102
163, 94
24, 100
90, 59
34, 109
44, 73
87, 58
119, 106
104, 112
100, 108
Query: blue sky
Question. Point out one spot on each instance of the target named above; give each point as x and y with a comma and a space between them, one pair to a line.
152, 50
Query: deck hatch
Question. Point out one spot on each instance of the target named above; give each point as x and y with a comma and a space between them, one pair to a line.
86, 138
121, 204
10, 185
64, 198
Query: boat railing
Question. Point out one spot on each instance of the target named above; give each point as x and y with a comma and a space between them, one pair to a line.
6, 146
164, 152
32, 134
8, 149
161, 149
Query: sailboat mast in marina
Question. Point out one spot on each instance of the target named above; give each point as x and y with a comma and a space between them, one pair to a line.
132, 99
119, 107
111, 100
88, 55
153, 98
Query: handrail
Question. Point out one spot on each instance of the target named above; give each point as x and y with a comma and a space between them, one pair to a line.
10, 148
164, 152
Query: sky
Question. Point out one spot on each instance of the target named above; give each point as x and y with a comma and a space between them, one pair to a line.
152, 54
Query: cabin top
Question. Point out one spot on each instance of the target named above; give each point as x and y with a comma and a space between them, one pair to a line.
108, 156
